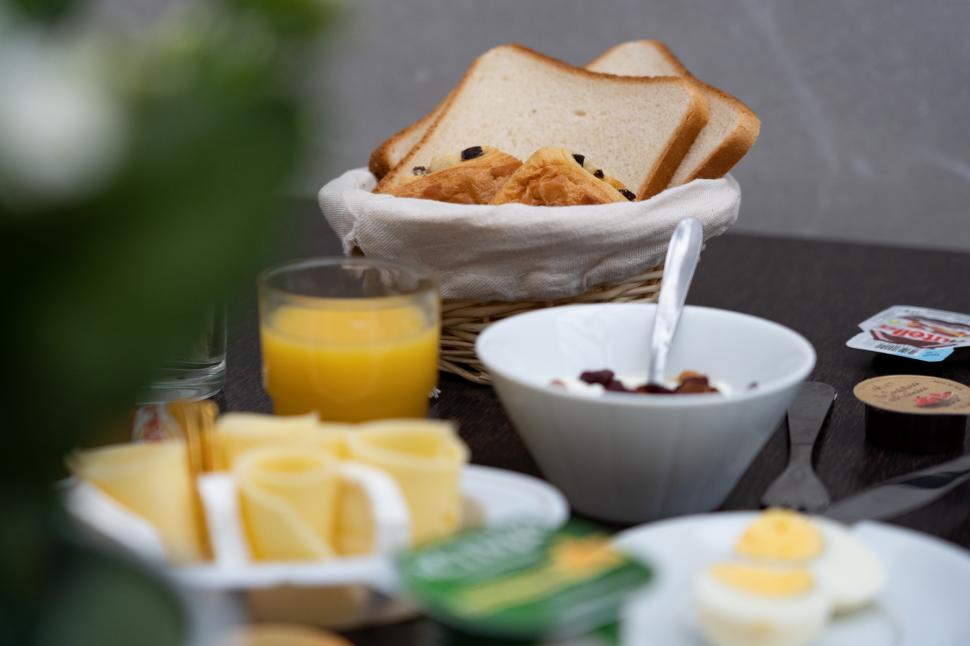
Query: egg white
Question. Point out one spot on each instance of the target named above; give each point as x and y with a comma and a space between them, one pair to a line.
732, 617
847, 569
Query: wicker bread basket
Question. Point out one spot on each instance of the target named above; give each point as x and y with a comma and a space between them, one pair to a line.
463, 320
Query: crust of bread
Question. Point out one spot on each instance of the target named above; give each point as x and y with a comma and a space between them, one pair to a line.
659, 176
381, 161
691, 125
552, 177
735, 146
660, 46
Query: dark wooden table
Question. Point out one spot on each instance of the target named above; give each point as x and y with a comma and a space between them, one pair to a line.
820, 289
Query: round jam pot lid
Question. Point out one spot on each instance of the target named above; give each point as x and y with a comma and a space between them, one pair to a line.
915, 395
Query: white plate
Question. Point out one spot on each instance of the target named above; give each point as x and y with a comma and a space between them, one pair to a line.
926, 601
490, 496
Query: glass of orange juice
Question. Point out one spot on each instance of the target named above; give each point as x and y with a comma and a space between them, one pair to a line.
352, 339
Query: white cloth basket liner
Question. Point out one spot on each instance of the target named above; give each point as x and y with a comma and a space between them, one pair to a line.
513, 252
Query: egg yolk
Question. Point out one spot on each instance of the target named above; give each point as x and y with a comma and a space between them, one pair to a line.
763, 581
782, 535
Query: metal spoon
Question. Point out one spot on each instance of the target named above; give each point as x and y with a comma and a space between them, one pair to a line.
683, 253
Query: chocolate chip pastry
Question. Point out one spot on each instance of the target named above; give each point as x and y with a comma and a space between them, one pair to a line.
472, 177
557, 177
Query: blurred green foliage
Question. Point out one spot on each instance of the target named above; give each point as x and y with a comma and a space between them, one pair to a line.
44, 10
100, 290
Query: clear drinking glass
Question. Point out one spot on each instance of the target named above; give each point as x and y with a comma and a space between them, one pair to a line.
353, 339
201, 372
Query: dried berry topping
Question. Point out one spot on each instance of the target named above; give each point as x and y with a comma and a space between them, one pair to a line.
419, 170
580, 159
472, 153
628, 194
601, 377
598, 173
695, 385
616, 386
654, 389
689, 383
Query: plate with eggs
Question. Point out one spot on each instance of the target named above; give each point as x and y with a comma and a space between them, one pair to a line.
780, 578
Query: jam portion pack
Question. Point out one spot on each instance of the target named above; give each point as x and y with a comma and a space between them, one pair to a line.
915, 333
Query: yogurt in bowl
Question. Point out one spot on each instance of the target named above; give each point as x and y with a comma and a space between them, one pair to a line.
628, 458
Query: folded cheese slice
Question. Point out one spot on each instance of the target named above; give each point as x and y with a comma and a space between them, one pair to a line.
425, 458
152, 480
288, 498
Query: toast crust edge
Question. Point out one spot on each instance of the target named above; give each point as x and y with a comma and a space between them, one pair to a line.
735, 146
380, 162
693, 121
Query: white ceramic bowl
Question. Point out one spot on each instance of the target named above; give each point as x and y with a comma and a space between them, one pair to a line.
632, 458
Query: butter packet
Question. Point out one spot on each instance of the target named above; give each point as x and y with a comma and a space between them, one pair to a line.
914, 333
523, 580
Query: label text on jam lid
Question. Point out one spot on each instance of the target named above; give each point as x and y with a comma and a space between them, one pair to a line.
916, 394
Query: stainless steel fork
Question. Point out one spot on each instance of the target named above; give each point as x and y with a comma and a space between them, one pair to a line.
798, 487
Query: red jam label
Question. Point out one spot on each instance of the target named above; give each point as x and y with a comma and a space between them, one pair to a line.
913, 332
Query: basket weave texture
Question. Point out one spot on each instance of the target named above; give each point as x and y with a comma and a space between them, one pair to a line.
463, 320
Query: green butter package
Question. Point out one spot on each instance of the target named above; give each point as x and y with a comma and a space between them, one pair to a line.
523, 580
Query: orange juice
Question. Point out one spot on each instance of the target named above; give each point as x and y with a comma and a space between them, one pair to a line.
350, 364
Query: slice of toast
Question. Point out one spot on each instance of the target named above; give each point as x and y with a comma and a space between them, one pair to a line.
518, 100
556, 177
730, 131
651, 54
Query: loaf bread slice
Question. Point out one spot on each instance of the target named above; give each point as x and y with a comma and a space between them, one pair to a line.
518, 100
732, 127
626, 59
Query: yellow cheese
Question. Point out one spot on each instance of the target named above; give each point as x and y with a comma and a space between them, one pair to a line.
153, 481
287, 499
425, 458
354, 525
236, 433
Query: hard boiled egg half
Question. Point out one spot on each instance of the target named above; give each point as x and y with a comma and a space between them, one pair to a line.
746, 604
848, 571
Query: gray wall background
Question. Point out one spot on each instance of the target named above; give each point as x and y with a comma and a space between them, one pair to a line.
865, 104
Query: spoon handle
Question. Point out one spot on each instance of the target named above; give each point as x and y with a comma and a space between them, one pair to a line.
682, 254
